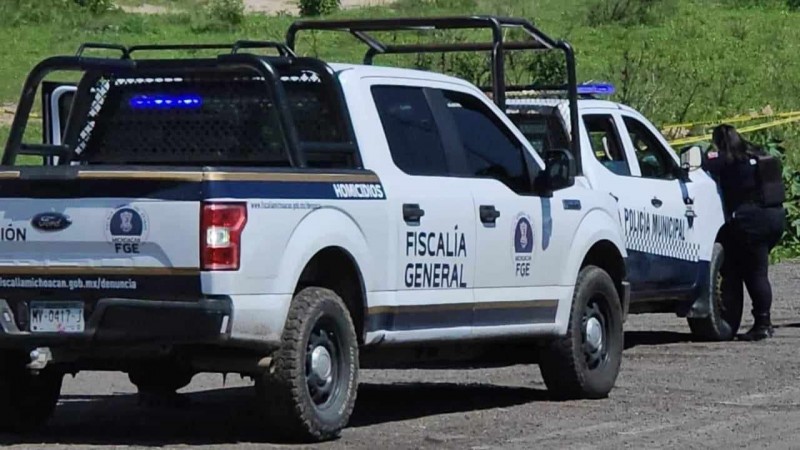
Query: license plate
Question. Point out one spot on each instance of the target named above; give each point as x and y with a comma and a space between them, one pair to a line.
56, 317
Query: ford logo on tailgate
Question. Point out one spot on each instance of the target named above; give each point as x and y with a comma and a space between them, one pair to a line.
50, 221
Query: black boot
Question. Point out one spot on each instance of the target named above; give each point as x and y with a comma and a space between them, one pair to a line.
762, 328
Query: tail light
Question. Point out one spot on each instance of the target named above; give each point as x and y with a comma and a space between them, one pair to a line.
221, 226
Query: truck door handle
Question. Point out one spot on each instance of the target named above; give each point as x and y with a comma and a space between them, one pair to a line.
656, 202
412, 212
488, 213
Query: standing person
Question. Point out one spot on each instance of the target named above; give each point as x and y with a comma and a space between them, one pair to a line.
752, 194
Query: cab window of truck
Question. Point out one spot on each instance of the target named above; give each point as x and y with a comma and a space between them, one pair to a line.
653, 159
492, 150
544, 132
411, 131
606, 144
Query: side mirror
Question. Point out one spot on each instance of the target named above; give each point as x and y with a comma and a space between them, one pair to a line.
691, 157
559, 172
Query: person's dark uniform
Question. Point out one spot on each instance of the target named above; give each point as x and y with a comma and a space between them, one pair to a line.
752, 230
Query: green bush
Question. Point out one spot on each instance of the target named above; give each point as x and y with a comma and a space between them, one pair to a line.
318, 7
230, 12
34, 12
628, 12
218, 16
793, 4
97, 6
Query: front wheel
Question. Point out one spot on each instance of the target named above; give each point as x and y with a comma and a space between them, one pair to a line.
585, 363
725, 312
310, 390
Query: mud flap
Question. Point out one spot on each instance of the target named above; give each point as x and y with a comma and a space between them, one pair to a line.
625, 298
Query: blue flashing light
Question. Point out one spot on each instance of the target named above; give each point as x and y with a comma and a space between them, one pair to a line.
596, 89
165, 101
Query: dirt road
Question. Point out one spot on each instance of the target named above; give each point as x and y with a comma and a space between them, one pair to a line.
672, 393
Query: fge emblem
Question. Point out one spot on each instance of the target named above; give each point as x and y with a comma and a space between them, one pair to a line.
523, 245
127, 228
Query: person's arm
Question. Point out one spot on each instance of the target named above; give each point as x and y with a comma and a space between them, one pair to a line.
713, 164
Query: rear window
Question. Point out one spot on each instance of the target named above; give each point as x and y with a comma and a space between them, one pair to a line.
205, 119
544, 132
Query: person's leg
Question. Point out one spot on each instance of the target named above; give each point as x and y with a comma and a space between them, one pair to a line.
732, 281
756, 277
732, 276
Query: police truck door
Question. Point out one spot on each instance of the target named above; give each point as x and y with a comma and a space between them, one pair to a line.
509, 287
435, 247
638, 169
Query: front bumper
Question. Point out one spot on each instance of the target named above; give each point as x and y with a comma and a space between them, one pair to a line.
117, 321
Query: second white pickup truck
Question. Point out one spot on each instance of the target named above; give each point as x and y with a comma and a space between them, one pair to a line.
672, 218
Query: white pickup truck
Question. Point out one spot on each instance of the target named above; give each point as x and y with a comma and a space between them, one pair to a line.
293, 221
672, 217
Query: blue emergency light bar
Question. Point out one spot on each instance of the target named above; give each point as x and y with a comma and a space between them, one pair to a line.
596, 89
165, 101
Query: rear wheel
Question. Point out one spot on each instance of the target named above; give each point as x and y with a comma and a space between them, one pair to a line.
725, 314
310, 390
27, 400
585, 363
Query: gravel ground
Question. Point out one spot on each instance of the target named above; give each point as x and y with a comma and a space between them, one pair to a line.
672, 393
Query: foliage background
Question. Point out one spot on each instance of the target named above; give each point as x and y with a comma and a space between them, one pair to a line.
674, 60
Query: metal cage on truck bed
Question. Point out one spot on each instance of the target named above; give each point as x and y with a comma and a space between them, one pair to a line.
236, 108
364, 30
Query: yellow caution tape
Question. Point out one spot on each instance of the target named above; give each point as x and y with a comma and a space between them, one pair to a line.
735, 119
750, 129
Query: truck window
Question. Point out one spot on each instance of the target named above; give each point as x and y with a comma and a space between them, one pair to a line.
544, 132
491, 148
654, 160
206, 119
606, 144
414, 140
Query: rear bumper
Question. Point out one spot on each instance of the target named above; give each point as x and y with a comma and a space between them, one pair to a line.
115, 321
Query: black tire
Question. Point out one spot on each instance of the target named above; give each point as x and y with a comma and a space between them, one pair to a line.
160, 378
26, 400
725, 316
575, 367
302, 402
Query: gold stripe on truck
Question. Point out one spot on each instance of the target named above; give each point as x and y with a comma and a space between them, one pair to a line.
308, 177
95, 270
139, 175
196, 177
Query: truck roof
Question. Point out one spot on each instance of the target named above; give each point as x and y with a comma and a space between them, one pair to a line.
360, 70
563, 103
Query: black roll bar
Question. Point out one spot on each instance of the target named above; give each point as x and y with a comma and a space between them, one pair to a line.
363, 29
127, 52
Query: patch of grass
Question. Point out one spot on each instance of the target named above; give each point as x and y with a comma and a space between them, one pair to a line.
172, 4
4, 129
32, 134
706, 60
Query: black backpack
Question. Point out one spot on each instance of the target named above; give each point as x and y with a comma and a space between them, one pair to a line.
769, 176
